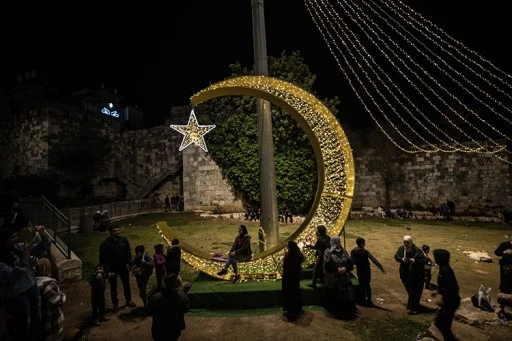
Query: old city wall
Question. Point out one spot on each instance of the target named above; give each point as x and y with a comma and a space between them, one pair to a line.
141, 161
478, 183
24, 144
204, 187
45, 141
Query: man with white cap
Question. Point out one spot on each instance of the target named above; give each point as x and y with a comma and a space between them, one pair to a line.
412, 272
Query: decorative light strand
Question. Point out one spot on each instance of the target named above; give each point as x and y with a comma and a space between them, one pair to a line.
442, 60
421, 80
333, 29
435, 148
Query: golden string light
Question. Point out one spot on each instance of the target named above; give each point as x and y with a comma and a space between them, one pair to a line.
336, 175
436, 67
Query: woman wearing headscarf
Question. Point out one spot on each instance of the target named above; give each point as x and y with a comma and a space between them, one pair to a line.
290, 285
240, 252
412, 272
52, 299
339, 295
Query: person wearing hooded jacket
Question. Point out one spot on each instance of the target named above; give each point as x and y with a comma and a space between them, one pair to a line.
412, 272
448, 288
361, 258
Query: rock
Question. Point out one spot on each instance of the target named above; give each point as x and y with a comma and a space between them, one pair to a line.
469, 314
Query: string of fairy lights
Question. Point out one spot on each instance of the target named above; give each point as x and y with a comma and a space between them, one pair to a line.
426, 91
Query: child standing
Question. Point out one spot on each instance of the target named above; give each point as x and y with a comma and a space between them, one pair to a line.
142, 268
361, 258
428, 267
97, 282
448, 288
160, 262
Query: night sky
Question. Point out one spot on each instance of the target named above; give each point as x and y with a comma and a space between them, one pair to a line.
158, 55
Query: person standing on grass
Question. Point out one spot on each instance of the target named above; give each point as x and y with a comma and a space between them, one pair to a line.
168, 308
448, 288
115, 256
142, 268
160, 260
167, 203
173, 262
339, 296
412, 272
290, 284
323, 242
361, 258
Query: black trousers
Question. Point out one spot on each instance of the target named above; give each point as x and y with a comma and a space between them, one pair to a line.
124, 275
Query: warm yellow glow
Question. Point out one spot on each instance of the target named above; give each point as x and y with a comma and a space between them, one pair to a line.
336, 177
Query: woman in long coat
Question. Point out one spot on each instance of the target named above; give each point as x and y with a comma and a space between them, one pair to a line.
339, 293
290, 285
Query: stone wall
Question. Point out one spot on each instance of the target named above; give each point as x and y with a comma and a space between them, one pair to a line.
147, 160
24, 144
204, 187
479, 184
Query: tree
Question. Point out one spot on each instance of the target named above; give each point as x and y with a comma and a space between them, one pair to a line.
234, 143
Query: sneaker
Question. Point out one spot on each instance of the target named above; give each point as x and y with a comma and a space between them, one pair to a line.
115, 308
104, 319
236, 279
130, 304
97, 322
222, 272
312, 285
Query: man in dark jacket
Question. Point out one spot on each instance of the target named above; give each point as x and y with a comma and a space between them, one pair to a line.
361, 258
173, 262
323, 242
504, 250
115, 256
168, 308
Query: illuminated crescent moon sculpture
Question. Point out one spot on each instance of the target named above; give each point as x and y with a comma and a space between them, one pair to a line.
336, 176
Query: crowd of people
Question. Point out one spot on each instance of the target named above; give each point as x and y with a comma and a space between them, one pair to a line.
167, 304
34, 301
334, 266
29, 293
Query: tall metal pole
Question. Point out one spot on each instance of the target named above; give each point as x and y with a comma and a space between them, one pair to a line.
268, 197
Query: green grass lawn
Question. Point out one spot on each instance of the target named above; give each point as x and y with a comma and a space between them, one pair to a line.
383, 236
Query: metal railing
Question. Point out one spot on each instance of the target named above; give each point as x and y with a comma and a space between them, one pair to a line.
114, 209
58, 226
40, 211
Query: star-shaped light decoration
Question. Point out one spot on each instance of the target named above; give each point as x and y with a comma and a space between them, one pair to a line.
193, 132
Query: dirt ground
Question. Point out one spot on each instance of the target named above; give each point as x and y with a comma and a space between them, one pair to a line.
130, 324
316, 324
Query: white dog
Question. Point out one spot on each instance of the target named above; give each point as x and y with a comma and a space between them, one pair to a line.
482, 300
